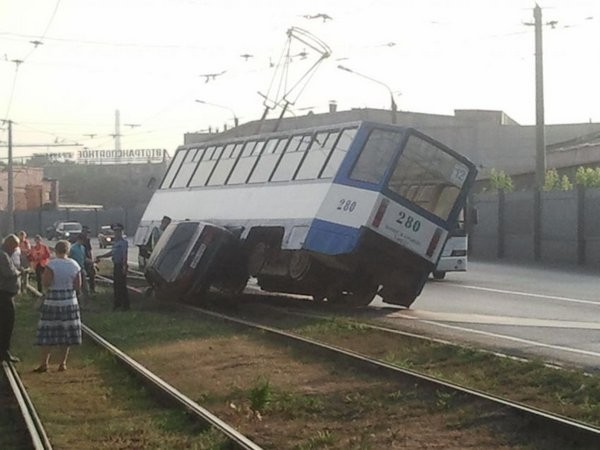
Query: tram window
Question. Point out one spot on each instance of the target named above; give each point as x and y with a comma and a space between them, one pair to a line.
185, 171
245, 162
428, 176
339, 152
267, 161
291, 158
173, 168
205, 166
198, 155
227, 161
317, 155
376, 156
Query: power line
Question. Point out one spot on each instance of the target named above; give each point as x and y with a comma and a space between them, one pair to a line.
36, 43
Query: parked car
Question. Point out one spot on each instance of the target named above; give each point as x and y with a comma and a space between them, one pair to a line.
106, 236
64, 230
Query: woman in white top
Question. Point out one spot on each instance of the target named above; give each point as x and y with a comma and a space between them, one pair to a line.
60, 323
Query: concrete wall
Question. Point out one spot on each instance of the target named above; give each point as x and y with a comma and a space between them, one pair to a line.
568, 230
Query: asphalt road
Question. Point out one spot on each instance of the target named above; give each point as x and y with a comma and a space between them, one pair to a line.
542, 313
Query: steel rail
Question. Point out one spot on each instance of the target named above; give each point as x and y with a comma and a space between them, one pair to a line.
237, 439
392, 330
36, 432
568, 427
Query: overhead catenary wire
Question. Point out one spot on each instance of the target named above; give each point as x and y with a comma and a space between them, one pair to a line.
39, 41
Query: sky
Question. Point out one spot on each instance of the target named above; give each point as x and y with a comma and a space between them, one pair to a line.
84, 59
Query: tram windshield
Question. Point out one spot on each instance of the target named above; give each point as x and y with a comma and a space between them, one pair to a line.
428, 176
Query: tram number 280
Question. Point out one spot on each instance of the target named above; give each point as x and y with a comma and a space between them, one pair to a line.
408, 221
346, 205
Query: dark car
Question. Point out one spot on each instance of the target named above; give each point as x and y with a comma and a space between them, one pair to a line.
192, 256
64, 230
106, 236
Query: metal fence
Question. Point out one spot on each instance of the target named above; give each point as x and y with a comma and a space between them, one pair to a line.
556, 226
34, 222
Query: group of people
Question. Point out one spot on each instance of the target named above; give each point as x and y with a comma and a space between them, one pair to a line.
71, 273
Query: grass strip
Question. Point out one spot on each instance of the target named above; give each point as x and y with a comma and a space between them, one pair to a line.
96, 403
567, 392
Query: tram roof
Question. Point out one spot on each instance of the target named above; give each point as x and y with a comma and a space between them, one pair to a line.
219, 139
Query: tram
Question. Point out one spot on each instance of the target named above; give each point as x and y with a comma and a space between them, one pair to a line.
339, 212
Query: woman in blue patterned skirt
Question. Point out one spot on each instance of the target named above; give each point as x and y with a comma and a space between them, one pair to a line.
60, 324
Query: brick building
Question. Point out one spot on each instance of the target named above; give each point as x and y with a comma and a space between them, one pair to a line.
31, 189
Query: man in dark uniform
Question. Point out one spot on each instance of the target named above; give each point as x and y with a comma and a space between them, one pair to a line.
9, 287
89, 266
119, 259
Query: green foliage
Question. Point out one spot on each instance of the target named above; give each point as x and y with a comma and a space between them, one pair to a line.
444, 399
260, 396
565, 183
553, 181
322, 439
499, 180
588, 177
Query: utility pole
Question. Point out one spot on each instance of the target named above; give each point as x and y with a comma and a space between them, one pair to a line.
10, 203
117, 133
540, 135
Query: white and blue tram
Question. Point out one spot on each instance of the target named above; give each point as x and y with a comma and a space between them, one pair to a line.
340, 212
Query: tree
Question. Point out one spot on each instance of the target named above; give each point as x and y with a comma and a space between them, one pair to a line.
588, 177
553, 181
501, 181
565, 184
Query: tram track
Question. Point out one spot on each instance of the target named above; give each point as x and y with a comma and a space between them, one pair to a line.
164, 390
31, 431
549, 422
582, 434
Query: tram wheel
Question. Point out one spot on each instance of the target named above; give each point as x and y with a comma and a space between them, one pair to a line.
300, 264
439, 275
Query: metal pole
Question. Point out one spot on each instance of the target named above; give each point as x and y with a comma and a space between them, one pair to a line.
581, 256
117, 130
10, 204
540, 137
393, 106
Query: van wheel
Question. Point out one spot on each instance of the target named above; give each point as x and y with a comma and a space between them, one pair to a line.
439, 275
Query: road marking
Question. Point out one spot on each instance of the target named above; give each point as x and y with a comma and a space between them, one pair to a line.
527, 294
516, 339
494, 320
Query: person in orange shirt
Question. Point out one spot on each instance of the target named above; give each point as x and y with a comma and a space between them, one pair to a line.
39, 255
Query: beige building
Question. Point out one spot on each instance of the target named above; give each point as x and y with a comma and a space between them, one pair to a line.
31, 189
